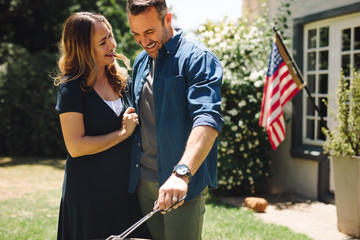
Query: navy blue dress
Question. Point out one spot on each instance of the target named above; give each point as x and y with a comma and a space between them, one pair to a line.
95, 201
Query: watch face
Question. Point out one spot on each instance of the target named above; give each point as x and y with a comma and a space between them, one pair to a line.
182, 169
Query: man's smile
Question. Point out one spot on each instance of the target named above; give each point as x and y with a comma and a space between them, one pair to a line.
151, 46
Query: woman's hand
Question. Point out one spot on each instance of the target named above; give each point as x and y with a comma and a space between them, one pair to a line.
129, 121
78, 144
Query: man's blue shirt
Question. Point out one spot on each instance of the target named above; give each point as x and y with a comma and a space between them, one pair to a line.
186, 87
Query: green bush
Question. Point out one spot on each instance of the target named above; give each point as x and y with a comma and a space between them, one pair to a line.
343, 140
29, 124
243, 49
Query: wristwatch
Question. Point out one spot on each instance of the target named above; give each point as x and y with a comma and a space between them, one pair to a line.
181, 170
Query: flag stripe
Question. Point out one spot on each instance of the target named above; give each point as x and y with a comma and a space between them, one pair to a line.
288, 92
276, 132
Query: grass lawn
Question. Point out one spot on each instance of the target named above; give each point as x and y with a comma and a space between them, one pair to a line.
30, 192
225, 222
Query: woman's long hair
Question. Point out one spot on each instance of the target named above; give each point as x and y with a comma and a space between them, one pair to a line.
77, 57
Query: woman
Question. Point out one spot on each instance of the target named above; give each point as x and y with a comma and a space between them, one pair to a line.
96, 121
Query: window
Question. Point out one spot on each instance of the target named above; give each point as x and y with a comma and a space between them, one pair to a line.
329, 46
350, 49
316, 76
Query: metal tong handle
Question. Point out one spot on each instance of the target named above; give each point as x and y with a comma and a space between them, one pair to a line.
176, 203
142, 220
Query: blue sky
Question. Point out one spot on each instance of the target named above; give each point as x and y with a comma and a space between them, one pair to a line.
191, 13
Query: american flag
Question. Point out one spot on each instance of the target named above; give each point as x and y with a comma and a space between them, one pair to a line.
282, 83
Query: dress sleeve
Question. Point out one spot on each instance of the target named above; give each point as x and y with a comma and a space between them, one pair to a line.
70, 97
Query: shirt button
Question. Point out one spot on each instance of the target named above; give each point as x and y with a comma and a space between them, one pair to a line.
137, 165
167, 52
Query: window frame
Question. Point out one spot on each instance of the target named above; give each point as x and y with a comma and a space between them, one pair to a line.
316, 95
300, 148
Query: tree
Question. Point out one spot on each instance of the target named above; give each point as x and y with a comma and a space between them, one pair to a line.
37, 25
30, 31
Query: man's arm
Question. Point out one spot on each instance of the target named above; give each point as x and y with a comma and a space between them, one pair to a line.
198, 146
204, 77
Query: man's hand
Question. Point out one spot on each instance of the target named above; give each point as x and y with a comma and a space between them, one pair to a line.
171, 191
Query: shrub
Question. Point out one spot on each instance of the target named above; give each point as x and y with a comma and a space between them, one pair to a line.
243, 49
29, 122
343, 140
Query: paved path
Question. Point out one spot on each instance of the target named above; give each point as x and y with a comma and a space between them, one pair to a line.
314, 219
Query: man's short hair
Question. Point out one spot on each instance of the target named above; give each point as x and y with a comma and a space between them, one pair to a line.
136, 7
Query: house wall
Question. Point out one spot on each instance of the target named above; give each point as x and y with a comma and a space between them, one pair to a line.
293, 174
300, 8
300, 175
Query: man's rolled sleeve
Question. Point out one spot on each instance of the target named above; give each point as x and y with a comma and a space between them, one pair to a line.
204, 91
210, 120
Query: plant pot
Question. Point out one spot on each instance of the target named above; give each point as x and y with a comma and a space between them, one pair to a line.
347, 194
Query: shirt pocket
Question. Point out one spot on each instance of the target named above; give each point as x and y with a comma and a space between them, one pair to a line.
175, 100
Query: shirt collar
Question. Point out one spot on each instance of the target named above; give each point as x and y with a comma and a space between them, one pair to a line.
172, 44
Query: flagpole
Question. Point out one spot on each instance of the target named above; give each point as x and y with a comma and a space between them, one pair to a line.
293, 63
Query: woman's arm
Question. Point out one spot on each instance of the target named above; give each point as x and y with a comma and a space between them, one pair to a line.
77, 144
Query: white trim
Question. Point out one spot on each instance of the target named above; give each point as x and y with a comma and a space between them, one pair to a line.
335, 25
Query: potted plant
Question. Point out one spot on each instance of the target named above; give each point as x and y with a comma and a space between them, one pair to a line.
343, 145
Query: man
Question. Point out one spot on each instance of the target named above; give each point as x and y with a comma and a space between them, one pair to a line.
176, 87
